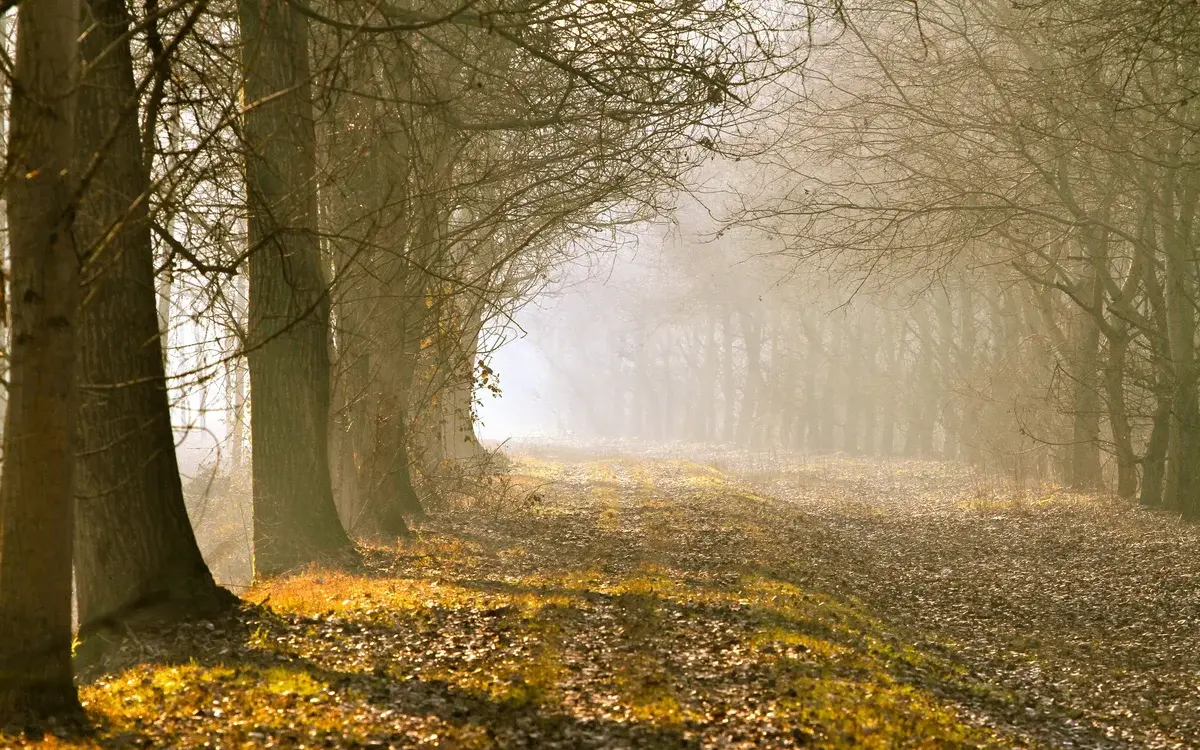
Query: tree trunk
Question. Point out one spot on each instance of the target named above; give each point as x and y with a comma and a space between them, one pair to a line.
850, 365
951, 422
813, 343
1085, 453
969, 446
666, 406
729, 385
752, 338
295, 520
135, 550
869, 377
893, 349
827, 401
461, 440
922, 414
385, 477
36, 489
1154, 459
5, 331
1182, 481
706, 403
1118, 416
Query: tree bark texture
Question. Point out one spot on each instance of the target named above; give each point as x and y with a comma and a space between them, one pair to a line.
36, 490
295, 520
135, 551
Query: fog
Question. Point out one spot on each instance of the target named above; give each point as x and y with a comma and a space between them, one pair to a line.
959, 235
673, 374
699, 329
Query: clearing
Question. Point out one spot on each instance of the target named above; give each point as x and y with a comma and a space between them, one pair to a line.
648, 601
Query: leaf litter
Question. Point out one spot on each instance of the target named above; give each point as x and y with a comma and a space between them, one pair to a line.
648, 601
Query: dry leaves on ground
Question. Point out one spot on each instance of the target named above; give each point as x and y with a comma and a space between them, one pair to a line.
639, 603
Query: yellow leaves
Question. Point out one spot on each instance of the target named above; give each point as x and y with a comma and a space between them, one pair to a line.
610, 615
776, 642
281, 681
426, 342
875, 712
609, 519
174, 680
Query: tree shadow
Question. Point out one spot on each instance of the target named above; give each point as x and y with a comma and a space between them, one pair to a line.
399, 712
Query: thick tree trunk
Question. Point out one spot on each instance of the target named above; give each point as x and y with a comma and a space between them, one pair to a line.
1005, 312
617, 424
850, 366
237, 384
1182, 481
774, 406
135, 553
36, 490
794, 387
1154, 459
648, 401
385, 476
669, 430
461, 443
1085, 471
237, 431
295, 520
922, 413
5, 99
374, 379
1058, 351
813, 343
830, 394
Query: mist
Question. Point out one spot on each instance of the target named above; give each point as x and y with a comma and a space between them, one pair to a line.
688, 374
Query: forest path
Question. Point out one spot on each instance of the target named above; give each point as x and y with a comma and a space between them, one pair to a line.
595, 601
1080, 614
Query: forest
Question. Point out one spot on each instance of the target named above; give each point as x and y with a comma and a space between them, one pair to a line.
580, 374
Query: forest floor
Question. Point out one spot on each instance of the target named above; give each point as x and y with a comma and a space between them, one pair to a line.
725, 601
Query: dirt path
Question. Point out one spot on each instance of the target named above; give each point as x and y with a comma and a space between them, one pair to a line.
1082, 614
644, 602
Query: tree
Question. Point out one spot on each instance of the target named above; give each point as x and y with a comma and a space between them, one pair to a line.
136, 555
466, 155
36, 489
295, 520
